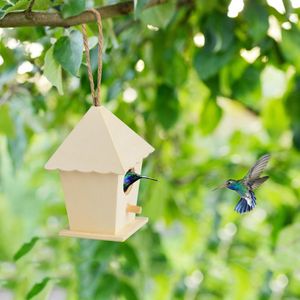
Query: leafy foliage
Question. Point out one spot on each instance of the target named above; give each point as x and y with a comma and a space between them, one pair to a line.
211, 94
37, 288
68, 51
52, 70
25, 248
72, 8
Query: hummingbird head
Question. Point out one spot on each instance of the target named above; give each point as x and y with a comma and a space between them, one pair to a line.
229, 184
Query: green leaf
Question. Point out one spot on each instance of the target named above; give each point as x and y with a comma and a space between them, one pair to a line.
6, 124
219, 48
107, 287
169, 63
20, 5
68, 52
208, 64
25, 248
210, 116
7, 7
247, 88
73, 8
290, 46
256, 16
274, 110
166, 106
52, 71
43, 4
219, 32
159, 15
293, 109
139, 5
128, 291
37, 288
3, 10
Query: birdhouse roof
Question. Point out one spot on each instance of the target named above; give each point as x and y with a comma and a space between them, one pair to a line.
100, 143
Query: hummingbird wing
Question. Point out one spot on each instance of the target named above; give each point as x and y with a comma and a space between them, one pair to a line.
246, 203
257, 169
254, 184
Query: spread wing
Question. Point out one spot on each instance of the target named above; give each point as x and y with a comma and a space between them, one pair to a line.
258, 168
254, 184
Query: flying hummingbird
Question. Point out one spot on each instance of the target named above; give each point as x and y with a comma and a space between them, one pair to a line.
131, 177
244, 187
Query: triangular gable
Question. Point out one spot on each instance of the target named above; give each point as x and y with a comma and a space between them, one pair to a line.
101, 143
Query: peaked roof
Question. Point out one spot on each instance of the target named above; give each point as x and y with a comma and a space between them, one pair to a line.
101, 143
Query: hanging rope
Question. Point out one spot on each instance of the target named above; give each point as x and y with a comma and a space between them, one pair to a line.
95, 93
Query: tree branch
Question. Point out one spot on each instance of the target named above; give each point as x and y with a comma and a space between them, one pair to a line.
19, 19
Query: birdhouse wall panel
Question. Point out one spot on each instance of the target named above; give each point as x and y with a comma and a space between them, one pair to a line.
91, 201
121, 205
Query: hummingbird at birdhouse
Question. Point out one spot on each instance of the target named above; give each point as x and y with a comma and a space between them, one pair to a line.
245, 187
131, 177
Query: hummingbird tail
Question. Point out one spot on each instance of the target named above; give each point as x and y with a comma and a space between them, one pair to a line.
243, 206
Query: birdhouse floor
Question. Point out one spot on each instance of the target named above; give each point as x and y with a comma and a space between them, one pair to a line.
121, 236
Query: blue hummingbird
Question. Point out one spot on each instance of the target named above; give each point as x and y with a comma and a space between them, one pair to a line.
245, 186
131, 177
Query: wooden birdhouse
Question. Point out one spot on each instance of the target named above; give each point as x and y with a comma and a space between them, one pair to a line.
93, 161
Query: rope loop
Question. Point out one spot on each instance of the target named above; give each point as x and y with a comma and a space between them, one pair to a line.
95, 93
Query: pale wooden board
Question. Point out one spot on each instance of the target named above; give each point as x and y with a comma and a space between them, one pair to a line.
100, 143
121, 236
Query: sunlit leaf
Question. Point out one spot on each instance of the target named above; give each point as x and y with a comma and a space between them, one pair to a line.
68, 51
23, 4
72, 7
18, 143
37, 288
20, 5
274, 110
208, 63
169, 63
44, 4
293, 109
159, 16
256, 16
210, 116
128, 291
290, 46
131, 258
52, 70
139, 5
25, 248
247, 88
107, 287
6, 122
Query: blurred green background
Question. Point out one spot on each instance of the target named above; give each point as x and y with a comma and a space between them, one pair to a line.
212, 85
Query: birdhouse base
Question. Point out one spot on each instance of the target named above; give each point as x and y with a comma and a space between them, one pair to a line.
121, 236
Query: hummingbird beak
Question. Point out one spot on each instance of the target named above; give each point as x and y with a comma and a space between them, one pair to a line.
146, 177
222, 186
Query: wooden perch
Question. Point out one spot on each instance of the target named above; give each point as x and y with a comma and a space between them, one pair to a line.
21, 19
134, 209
